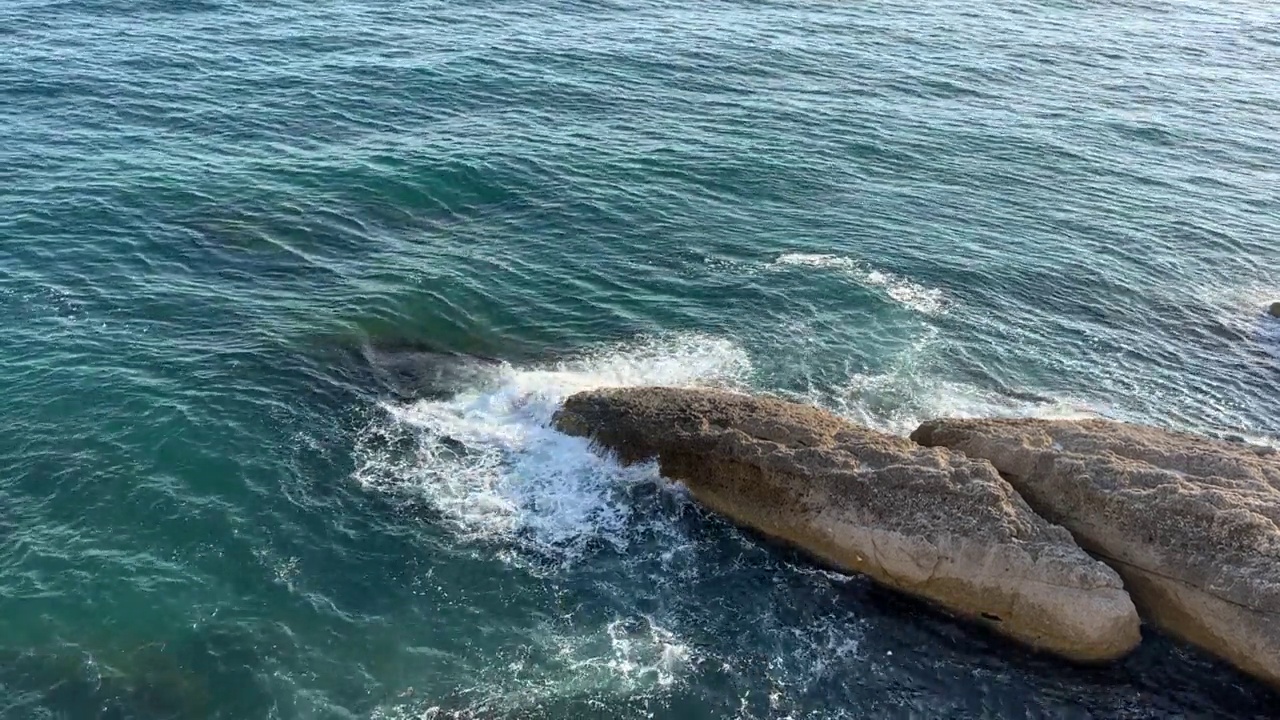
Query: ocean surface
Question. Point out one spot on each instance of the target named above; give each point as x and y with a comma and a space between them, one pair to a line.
289, 290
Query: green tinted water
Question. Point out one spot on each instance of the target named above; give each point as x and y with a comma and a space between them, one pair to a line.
290, 291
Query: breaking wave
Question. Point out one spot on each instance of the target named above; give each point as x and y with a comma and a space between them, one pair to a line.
501, 479
489, 461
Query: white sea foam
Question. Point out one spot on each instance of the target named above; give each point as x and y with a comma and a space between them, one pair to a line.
629, 654
1239, 306
898, 404
908, 389
623, 658
818, 260
490, 462
1244, 309
905, 292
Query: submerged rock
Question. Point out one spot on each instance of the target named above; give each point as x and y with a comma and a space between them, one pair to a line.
1193, 525
928, 522
210, 672
412, 371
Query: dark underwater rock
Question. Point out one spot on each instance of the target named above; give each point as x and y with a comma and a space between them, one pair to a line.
210, 673
411, 370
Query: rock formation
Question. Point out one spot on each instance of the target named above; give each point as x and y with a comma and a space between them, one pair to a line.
1193, 525
929, 522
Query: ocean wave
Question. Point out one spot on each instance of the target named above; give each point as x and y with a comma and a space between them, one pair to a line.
1246, 310
488, 459
898, 404
913, 386
502, 479
905, 292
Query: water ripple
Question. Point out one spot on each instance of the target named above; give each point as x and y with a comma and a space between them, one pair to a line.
217, 217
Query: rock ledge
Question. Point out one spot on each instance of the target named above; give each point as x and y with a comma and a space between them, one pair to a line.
926, 521
1193, 525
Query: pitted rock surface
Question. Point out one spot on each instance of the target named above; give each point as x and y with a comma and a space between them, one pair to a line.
1192, 524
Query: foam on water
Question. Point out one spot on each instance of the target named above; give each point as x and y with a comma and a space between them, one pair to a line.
905, 292
911, 387
1238, 306
489, 460
629, 653
499, 475
624, 658
897, 403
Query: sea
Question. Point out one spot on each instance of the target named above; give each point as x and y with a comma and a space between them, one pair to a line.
289, 292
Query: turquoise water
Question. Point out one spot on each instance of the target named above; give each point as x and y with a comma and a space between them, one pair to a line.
289, 291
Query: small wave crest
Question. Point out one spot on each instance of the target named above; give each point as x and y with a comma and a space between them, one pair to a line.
913, 386
898, 404
905, 292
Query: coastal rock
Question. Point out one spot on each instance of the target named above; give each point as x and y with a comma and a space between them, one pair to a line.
1274, 309
1193, 525
925, 521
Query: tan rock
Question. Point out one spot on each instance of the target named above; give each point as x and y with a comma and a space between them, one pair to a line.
1193, 525
928, 522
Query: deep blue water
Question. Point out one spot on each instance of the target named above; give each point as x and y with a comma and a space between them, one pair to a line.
289, 291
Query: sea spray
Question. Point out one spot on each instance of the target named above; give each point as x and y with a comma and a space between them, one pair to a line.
547, 504
489, 460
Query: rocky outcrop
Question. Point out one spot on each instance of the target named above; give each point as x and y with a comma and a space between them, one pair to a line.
929, 522
1193, 525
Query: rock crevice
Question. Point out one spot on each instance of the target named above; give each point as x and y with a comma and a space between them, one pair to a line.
1192, 524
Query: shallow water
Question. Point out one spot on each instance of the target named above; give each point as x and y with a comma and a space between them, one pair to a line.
289, 292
